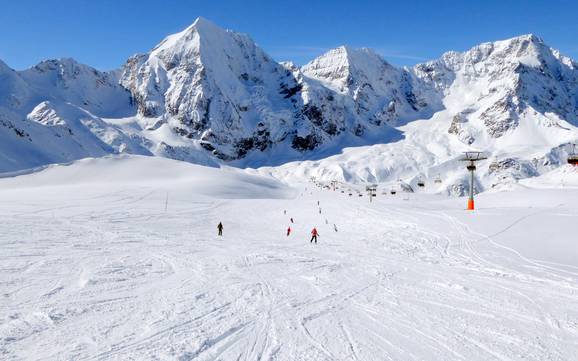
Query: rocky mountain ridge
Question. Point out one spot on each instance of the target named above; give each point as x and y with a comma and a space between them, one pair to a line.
209, 95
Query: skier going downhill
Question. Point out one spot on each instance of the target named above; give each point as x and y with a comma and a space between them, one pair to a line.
314, 235
288, 231
220, 228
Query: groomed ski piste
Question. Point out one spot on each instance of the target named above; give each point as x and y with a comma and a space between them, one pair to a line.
118, 258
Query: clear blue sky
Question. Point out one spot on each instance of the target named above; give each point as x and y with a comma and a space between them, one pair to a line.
104, 33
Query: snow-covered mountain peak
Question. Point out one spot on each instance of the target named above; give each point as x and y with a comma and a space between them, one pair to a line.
210, 95
204, 26
60, 63
505, 92
506, 64
349, 56
526, 49
492, 57
64, 71
339, 68
213, 86
70, 81
382, 93
185, 44
204, 42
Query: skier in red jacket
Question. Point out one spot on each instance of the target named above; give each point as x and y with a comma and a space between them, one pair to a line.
288, 231
314, 235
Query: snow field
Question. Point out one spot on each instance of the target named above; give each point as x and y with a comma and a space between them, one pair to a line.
96, 264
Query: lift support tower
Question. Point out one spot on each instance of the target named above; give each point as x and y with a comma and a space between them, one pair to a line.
472, 158
371, 191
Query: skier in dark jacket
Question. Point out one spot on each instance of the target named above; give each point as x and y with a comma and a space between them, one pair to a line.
314, 235
220, 228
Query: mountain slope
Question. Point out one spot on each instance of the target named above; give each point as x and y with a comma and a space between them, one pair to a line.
219, 89
212, 86
379, 92
51, 113
118, 259
515, 99
211, 96
493, 85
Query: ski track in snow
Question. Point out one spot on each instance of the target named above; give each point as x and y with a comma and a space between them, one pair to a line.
112, 276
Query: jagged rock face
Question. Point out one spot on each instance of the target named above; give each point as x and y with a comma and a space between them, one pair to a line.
501, 83
219, 89
459, 127
550, 84
377, 92
215, 86
509, 170
45, 114
502, 116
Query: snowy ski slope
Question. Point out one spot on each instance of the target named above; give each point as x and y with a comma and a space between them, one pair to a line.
118, 259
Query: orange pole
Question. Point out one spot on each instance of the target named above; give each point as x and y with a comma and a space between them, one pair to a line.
471, 198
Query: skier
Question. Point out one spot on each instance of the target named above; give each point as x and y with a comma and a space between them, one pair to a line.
291, 219
288, 231
314, 235
220, 228
317, 202
285, 212
335, 227
319, 210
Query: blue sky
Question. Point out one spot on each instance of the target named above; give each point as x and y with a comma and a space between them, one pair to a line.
104, 33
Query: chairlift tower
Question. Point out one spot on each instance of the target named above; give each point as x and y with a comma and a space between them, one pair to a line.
371, 191
472, 158
333, 184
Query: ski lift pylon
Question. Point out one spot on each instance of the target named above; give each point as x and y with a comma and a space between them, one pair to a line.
472, 157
